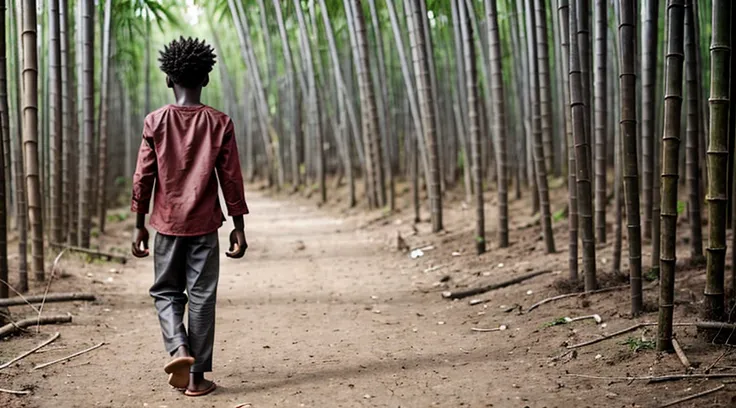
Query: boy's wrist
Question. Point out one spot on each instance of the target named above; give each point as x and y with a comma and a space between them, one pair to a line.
140, 221
239, 222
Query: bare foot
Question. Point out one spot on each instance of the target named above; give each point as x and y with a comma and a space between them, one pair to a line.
198, 384
178, 368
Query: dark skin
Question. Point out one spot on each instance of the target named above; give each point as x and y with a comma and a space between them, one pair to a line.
238, 244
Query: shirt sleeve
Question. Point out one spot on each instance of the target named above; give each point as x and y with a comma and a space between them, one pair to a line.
230, 175
145, 172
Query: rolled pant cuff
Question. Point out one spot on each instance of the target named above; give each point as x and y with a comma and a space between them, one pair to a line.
201, 368
176, 343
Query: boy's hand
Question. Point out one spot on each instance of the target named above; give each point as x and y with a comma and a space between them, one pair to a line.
238, 245
140, 244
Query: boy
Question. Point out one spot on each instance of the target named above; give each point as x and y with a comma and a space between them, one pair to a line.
186, 148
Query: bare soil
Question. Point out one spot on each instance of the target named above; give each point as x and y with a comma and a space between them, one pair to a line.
326, 312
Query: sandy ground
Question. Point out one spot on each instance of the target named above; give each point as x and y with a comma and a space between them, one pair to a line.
324, 312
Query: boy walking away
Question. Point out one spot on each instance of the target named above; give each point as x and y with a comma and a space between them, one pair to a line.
186, 148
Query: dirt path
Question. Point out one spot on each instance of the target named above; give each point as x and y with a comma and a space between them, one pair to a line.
319, 315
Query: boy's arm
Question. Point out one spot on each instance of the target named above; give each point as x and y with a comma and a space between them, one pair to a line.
143, 181
231, 182
231, 176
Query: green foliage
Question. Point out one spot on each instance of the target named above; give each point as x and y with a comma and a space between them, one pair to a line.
117, 217
636, 344
559, 215
681, 206
557, 322
460, 160
121, 181
651, 275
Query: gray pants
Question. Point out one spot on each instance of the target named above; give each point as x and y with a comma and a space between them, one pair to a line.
191, 264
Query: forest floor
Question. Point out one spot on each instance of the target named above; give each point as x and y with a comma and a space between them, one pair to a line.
326, 312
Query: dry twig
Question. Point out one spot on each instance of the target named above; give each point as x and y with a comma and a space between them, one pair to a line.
499, 328
626, 330
67, 358
52, 298
612, 335
48, 286
681, 355
13, 327
657, 379
577, 294
20, 297
488, 288
14, 392
28, 353
692, 397
95, 254
713, 364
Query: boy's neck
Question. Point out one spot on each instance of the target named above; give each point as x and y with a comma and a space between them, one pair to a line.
188, 96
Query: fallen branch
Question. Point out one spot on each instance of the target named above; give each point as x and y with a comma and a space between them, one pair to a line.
657, 379
692, 397
610, 336
28, 353
95, 254
14, 392
595, 317
591, 292
713, 364
495, 329
626, 330
715, 326
488, 288
67, 358
13, 327
681, 355
52, 298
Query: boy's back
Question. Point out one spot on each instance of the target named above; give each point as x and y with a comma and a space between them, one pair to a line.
185, 149
185, 145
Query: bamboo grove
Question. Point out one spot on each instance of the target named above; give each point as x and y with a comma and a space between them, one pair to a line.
623, 103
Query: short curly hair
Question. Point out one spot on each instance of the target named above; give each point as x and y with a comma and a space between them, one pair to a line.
188, 61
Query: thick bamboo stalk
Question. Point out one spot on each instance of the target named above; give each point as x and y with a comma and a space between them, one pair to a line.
572, 219
582, 155
421, 71
88, 102
30, 136
471, 83
670, 169
627, 61
18, 166
693, 136
499, 121
545, 85
67, 112
720, 77
648, 81
600, 65
539, 163
4, 132
582, 15
55, 119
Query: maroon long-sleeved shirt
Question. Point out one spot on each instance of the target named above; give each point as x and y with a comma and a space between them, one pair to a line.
185, 149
